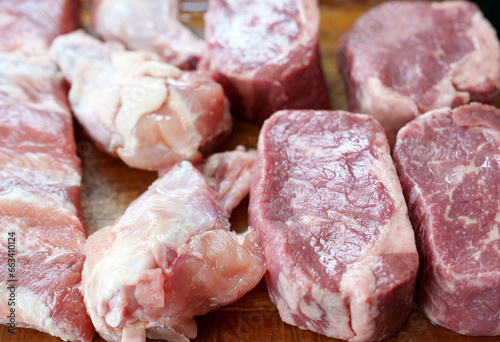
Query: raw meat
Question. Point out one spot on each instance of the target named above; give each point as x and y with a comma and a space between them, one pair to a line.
171, 256
449, 165
266, 55
402, 59
40, 203
328, 210
150, 25
32, 24
149, 113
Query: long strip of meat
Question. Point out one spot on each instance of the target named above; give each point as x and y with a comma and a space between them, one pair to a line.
151, 25
171, 256
149, 113
40, 215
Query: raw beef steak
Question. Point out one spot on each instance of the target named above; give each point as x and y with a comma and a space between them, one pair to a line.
449, 165
265, 54
329, 212
402, 59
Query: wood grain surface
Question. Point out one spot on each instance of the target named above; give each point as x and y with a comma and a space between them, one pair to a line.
109, 186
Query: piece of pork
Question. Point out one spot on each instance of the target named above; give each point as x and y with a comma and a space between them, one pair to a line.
31, 25
41, 223
403, 58
329, 212
448, 161
149, 113
171, 256
150, 25
40, 208
265, 54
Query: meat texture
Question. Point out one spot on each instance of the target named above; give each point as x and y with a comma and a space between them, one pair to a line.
40, 214
404, 58
448, 161
151, 25
149, 113
171, 256
330, 215
31, 25
265, 54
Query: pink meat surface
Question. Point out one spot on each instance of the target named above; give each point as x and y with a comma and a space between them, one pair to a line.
404, 58
40, 204
448, 161
329, 212
172, 256
41, 220
265, 54
151, 25
33, 24
149, 113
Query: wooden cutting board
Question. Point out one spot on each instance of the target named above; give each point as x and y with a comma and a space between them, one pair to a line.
109, 186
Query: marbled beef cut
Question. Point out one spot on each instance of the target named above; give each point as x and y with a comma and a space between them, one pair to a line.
448, 162
265, 54
330, 214
402, 59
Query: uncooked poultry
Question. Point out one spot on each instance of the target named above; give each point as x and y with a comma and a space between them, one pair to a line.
151, 25
149, 113
171, 256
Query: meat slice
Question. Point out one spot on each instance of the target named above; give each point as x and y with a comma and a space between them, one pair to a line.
171, 256
329, 213
151, 25
40, 207
448, 161
149, 113
404, 58
266, 55
31, 25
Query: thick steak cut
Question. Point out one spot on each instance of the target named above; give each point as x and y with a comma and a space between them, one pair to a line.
402, 59
265, 54
448, 162
330, 214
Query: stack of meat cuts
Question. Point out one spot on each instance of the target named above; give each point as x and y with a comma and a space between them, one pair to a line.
404, 58
40, 214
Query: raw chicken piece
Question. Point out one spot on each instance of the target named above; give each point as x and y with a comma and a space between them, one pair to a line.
171, 256
31, 25
151, 25
149, 113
